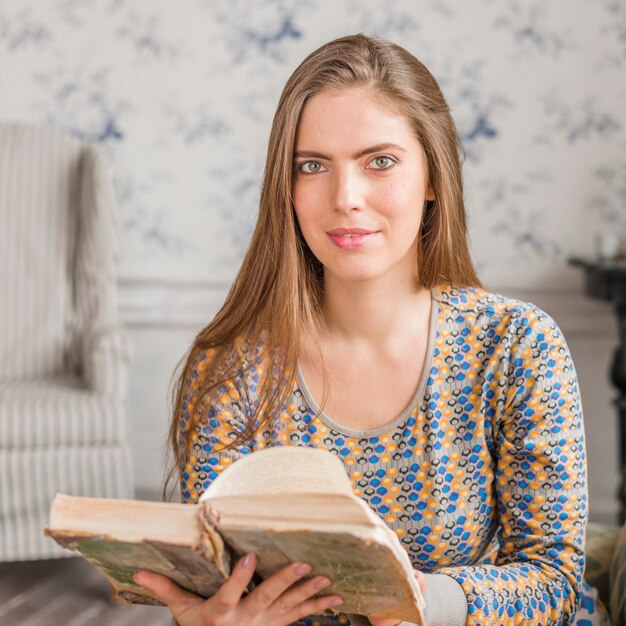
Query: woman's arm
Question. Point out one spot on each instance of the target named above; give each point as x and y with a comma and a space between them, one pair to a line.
219, 418
541, 485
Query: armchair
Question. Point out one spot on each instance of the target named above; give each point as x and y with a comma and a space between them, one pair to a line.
606, 567
64, 359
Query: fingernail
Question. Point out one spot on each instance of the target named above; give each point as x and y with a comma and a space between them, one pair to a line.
302, 569
248, 560
335, 601
321, 583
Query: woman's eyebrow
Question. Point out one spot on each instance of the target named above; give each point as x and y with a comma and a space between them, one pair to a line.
358, 155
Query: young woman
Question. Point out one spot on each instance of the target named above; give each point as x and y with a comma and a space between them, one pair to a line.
357, 323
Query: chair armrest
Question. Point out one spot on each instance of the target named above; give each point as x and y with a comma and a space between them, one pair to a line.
106, 356
617, 604
600, 546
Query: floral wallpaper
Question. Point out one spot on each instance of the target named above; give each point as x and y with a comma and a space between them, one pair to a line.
182, 96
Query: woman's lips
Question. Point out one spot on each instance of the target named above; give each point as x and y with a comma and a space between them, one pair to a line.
351, 238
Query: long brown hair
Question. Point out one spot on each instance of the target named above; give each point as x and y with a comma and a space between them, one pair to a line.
278, 291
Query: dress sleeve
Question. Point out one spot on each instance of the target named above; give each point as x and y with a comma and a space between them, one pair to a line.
541, 488
221, 417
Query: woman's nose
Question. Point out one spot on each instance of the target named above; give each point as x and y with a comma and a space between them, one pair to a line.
347, 191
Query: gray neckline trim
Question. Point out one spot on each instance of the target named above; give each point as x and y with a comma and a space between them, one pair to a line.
421, 385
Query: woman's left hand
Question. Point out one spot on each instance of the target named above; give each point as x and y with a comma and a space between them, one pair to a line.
385, 621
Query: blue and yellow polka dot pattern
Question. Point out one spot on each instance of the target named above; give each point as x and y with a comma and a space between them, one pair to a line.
483, 479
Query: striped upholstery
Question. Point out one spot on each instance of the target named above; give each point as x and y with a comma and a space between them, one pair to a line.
63, 357
38, 198
81, 417
38, 474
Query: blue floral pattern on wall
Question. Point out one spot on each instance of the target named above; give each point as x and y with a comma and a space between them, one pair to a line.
182, 96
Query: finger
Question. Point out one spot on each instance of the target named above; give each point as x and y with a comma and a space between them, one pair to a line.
295, 595
273, 587
167, 591
314, 606
231, 591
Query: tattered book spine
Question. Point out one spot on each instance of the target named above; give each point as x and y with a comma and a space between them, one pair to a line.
205, 565
225, 555
212, 545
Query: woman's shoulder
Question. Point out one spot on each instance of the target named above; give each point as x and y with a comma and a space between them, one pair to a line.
240, 358
472, 304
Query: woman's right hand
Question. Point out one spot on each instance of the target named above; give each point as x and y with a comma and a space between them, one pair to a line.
274, 602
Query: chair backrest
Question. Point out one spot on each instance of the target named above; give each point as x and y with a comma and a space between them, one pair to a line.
56, 248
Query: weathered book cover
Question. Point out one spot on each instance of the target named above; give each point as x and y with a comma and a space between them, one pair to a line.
201, 565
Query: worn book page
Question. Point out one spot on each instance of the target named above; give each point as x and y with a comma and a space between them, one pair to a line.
297, 511
121, 536
282, 469
127, 520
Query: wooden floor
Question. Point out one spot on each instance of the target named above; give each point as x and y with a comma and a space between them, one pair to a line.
66, 592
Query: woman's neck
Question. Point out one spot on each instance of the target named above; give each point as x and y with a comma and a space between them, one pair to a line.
374, 313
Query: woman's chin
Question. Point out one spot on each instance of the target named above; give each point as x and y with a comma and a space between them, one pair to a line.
353, 276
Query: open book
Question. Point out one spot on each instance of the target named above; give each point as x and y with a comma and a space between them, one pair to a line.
285, 504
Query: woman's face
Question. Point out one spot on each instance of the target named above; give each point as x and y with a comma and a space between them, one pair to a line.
359, 187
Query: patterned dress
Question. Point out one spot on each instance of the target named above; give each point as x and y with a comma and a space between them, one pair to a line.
483, 475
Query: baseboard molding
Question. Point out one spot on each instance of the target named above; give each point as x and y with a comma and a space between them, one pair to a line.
162, 303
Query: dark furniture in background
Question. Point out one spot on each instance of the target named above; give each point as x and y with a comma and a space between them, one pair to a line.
606, 280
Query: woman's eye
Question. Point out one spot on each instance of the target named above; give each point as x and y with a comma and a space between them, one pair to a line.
383, 162
310, 167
